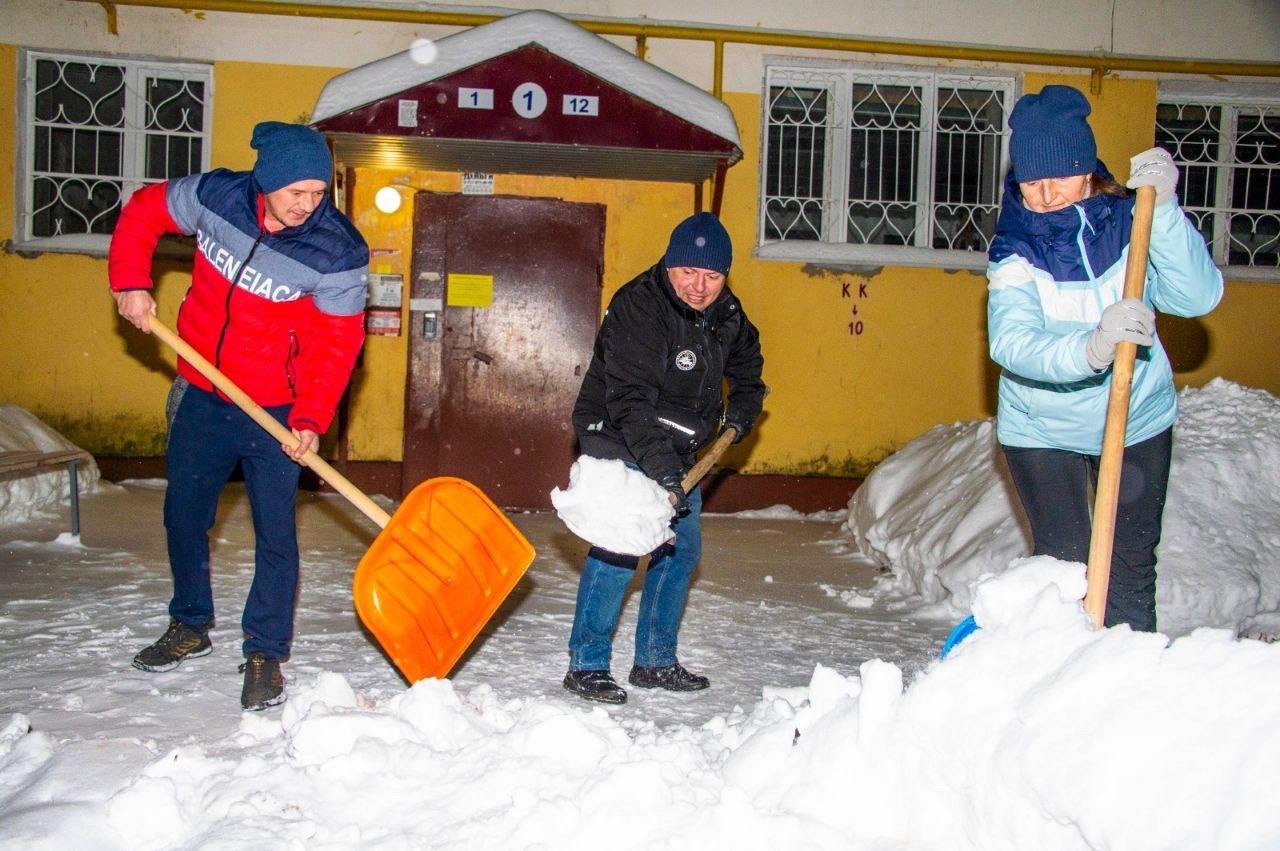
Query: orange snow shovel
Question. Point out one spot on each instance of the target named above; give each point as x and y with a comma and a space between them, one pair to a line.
439, 568
1107, 490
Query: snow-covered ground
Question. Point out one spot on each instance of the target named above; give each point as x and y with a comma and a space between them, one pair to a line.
831, 721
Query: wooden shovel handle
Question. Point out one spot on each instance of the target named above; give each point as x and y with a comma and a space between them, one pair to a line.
705, 463
1106, 496
335, 479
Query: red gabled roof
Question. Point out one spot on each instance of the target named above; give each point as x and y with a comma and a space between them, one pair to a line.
531, 93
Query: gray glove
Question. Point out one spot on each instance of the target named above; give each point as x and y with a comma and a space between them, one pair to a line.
1154, 168
1128, 320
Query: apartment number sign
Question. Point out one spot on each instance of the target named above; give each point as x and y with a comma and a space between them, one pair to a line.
529, 100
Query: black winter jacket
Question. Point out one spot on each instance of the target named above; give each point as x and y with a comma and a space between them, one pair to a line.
652, 394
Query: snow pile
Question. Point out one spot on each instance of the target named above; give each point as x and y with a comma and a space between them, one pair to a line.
27, 493
1220, 555
942, 513
1037, 732
614, 507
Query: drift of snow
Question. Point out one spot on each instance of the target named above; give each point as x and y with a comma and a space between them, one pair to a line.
25, 494
614, 507
942, 513
1038, 732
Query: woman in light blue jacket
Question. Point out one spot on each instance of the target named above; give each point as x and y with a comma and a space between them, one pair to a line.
1055, 315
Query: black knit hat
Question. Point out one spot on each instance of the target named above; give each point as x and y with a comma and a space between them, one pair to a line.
1050, 136
700, 242
288, 153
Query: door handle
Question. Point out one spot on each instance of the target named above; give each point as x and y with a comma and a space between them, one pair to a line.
483, 357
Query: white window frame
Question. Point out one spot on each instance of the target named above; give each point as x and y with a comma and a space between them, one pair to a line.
1232, 100
133, 131
838, 78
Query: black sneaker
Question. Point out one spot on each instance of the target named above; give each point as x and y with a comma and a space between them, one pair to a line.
178, 642
672, 678
595, 685
263, 682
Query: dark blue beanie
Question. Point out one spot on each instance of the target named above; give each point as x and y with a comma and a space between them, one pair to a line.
700, 242
1050, 137
288, 153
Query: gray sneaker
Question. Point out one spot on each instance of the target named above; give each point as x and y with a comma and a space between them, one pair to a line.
263, 682
178, 642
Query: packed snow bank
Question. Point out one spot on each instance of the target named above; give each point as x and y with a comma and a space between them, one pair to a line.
1037, 732
942, 513
26, 493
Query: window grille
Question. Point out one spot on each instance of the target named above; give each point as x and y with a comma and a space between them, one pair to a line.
1227, 148
93, 130
889, 165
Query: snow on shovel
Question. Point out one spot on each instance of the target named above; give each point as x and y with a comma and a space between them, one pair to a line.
439, 568
616, 508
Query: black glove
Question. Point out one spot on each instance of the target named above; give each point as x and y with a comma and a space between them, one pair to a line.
679, 499
742, 430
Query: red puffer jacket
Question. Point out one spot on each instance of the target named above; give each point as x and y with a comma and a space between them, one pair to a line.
281, 314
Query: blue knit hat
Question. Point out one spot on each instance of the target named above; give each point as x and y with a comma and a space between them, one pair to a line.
288, 153
1050, 136
700, 242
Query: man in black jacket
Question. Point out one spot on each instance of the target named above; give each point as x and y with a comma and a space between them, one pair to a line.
652, 397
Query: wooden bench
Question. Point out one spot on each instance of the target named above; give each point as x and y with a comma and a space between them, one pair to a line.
31, 459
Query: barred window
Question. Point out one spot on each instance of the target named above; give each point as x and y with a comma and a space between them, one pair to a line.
881, 165
94, 129
1226, 143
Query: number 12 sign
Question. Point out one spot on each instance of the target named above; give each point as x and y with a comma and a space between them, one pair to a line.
581, 105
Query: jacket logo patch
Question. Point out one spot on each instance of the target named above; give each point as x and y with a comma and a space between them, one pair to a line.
686, 360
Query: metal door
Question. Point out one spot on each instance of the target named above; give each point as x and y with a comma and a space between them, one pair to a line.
491, 386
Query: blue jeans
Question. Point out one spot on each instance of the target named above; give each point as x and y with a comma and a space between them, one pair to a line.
605, 577
207, 437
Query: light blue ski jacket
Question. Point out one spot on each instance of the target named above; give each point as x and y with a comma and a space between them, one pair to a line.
1050, 275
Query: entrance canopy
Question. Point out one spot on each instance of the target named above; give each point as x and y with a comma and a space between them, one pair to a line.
532, 93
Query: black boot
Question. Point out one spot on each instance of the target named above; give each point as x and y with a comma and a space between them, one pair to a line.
595, 685
263, 683
179, 642
672, 678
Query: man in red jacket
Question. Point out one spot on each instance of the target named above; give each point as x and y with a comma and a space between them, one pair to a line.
276, 303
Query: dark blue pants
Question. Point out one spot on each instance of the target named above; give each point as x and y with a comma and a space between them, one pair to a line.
207, 437
1056, 489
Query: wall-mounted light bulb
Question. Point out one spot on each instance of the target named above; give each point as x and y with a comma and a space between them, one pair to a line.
387, 199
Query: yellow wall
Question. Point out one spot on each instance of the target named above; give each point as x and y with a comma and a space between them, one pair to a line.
638, 218
840, 401
64, 353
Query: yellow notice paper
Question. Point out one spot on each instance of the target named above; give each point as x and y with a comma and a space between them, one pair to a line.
470, 291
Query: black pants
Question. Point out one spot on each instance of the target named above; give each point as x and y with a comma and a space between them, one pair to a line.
1056, 490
